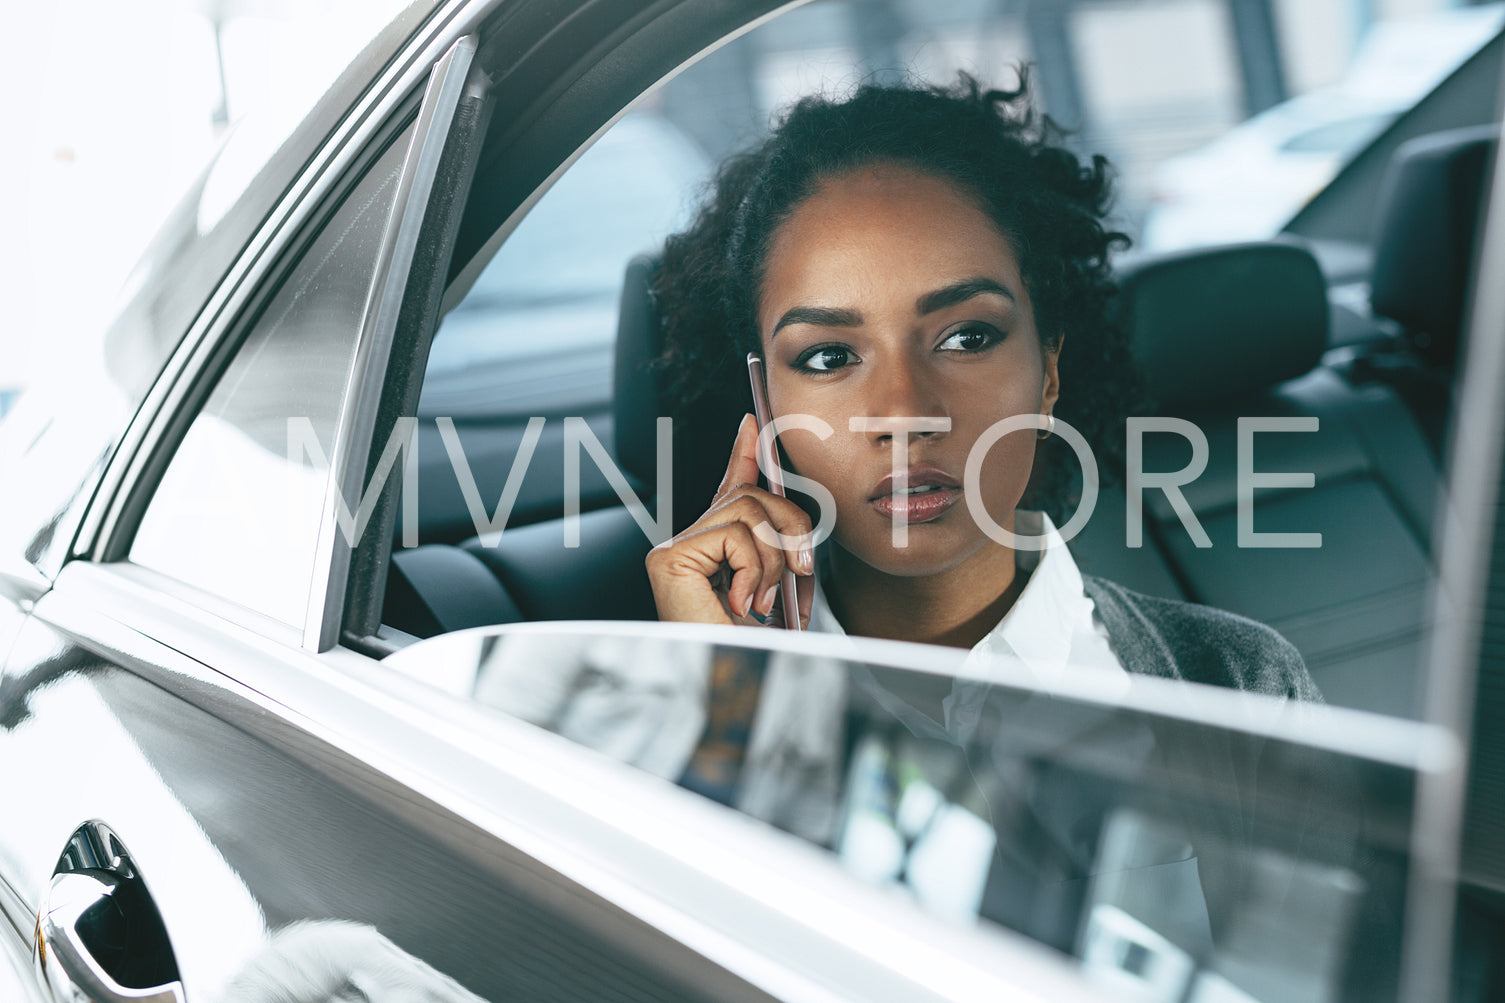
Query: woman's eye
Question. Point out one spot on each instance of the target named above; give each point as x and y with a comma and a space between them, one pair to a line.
824, 358
972, 338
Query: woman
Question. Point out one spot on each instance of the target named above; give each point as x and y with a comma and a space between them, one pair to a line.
923, 253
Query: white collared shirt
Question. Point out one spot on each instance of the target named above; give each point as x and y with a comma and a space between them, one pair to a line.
1053, 623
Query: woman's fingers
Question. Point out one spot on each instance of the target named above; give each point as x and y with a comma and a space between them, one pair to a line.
682, 570
805, 588
732, 542
745, 539
766, 515
742, 468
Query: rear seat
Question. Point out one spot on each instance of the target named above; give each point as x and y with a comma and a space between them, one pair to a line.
1224, 332
1239, 331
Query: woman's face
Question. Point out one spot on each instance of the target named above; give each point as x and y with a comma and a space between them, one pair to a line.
889, 294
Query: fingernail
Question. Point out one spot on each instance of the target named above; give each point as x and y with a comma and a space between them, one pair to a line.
766, 606
747, 605
807, 560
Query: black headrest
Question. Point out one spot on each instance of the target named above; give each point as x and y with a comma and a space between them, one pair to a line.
1214, 324
1428, 220
703, 431
637, 392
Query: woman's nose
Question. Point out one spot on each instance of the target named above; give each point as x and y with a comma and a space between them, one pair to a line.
904, 402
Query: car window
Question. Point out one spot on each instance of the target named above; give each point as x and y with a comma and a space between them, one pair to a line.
1164, 88
530, 346
1107, 819
237, 511
540, 319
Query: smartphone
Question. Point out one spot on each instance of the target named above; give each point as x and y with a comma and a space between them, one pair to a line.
769, 461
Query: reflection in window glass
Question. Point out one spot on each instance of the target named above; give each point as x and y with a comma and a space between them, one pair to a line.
233, 514
1349, 69
989, 50
1177, 859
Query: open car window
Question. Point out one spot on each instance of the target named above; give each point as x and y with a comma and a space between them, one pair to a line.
540, 399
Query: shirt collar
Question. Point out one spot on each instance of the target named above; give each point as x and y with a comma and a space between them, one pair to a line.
1039, 627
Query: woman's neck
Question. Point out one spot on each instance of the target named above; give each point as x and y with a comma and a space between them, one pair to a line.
957, 607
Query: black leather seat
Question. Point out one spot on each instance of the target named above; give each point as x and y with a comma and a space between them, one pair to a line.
435, 588
1239, 331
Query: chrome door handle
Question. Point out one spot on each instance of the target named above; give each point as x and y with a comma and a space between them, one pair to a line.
99, 937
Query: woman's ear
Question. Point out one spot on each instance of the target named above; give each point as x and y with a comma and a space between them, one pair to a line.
1051, 390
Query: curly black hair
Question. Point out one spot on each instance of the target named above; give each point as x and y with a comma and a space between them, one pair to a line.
991, 144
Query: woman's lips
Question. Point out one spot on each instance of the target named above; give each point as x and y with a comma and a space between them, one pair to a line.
917, 495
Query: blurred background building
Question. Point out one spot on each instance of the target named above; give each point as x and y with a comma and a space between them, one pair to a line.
1222, 116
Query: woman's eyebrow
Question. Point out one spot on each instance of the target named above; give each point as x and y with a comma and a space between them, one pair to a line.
960, 293
820, 316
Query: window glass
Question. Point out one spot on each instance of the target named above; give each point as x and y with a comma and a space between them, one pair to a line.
1159, 86
1176, 858
237, 512
1159, 77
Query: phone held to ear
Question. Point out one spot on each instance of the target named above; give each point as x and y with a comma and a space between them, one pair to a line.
768, 459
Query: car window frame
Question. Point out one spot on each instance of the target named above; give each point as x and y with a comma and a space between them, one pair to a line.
388, 108
1458, 685
401, 315
330, 168
201, 383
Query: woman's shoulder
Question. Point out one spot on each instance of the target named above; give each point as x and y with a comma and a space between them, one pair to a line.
1183, 640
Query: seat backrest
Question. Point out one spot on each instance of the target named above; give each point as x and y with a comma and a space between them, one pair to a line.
1427, 225
1236, 333
1205, 327
1426, 228
435, 588
703, 431
535, 571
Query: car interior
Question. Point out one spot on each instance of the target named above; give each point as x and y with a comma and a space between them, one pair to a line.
1222, 332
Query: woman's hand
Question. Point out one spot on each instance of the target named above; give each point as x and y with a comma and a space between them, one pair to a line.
718, 570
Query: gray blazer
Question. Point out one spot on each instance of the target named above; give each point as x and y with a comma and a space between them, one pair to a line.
1181, 640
